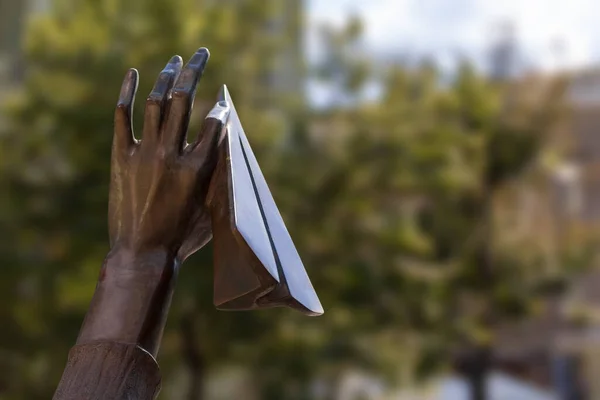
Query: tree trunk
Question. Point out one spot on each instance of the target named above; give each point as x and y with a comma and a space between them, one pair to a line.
481, 362
477, 373
192, 356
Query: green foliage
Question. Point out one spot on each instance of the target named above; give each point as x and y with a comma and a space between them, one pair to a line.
343, 65
384, 200
56, 149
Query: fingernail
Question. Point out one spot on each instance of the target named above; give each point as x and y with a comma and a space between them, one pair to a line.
176, 60
173, 65
200, 57
129, 86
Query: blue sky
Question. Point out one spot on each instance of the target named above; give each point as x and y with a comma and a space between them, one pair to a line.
443, 28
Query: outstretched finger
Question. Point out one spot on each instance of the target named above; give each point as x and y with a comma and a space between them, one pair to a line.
124, 139
205, 146
157, 99
179, 110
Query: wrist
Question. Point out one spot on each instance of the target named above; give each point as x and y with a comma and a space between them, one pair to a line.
122, 257
132, 298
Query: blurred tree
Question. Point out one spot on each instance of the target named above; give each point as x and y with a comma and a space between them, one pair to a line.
386, 200
344, 66
55, 154
509, 127
426, 162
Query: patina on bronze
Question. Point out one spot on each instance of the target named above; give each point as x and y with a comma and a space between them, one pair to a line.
167, 199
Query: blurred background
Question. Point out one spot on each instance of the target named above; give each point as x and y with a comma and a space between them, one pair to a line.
437, 163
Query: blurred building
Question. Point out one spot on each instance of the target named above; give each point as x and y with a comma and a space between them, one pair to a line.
12, 14
552, 210
584, 96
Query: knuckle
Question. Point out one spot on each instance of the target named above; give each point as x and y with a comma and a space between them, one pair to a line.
166, 75
123, 106
161, 153
122, 111
189, 163
181, 93
154, 100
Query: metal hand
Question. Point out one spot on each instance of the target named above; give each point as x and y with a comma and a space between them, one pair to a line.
159, 184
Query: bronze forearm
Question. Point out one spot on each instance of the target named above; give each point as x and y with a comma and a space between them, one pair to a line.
132, 299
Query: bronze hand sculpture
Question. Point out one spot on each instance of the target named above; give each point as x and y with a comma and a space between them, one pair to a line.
167, 198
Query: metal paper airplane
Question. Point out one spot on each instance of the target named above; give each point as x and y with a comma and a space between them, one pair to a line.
256, 262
